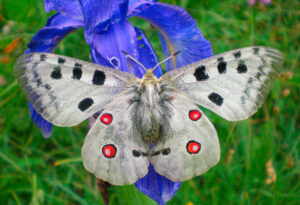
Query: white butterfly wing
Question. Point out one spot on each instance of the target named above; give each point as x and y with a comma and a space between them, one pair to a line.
232, 84
113, 149
189, 143
66, 91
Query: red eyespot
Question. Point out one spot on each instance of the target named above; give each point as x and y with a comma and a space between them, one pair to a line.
193, 147
106, 118
109, 150
195, 115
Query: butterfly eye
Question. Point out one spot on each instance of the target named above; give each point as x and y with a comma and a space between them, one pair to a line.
195, 115
193, 147
106, 118
109, 151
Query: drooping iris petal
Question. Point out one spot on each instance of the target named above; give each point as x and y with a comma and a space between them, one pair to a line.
70, 8
157, 187
44, 125
180, 33
45, 40
101, 13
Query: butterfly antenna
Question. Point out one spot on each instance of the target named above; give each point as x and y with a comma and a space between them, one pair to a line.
129, 56
171, 56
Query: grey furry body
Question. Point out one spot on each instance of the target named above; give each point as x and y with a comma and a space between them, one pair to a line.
151, 107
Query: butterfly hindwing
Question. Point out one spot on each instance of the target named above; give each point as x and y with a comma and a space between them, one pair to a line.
64, 90
232, 84
113, 149
189, 144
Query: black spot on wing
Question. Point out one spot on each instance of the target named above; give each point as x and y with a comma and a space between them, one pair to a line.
85, 104
200, 73
136, 153
155, 153
222, 67
99, 77
77, 71
78, 65
56, 73
255, 51
166, 151
61, 60
215, 98
242, 67
220, 59
43, 57
237, 54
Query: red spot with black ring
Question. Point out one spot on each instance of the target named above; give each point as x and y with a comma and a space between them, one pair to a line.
195, 115
106, 118
193, 147
109, 151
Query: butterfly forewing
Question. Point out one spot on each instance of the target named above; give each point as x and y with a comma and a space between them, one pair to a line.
65, 91
189, 144
113, 149
232, 84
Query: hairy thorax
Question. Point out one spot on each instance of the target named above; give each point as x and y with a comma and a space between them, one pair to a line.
152, 107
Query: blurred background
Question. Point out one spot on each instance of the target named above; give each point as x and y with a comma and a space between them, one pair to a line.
259, 156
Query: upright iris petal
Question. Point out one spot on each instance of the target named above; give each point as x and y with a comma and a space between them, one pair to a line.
69, 8
100, 13
147, 55
109, 44
179, 32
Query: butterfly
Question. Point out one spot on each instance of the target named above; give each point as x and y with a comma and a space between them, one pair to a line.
148, 120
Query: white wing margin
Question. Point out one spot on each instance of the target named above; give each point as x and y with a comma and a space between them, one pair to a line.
232, 84
64, 90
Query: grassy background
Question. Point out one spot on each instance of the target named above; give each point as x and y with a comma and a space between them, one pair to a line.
260, 156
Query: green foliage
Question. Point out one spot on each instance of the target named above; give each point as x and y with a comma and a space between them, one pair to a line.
260, 156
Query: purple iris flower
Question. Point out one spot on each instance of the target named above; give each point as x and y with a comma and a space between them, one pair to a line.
107, 31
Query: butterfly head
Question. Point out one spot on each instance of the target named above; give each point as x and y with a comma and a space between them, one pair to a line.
149, 77
150, 72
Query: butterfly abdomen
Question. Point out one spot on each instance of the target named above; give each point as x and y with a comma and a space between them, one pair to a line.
150, 110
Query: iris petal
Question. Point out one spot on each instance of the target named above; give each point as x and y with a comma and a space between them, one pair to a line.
70, 8
180, 33
157, 187
106, 47
146, 53
136, 6
45, 40
101, 13
44, 125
